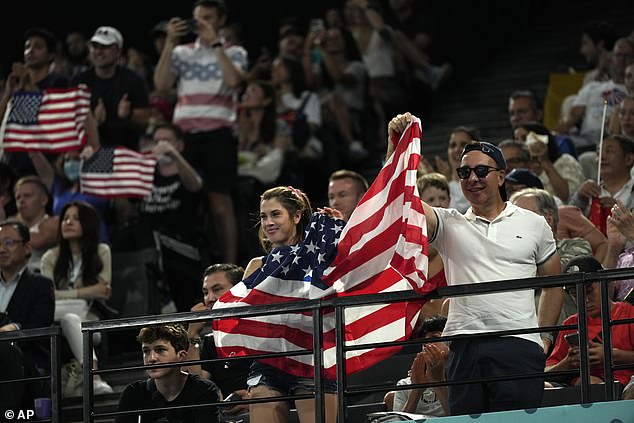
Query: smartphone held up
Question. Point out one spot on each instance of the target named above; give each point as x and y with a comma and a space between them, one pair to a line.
572, 339
192, 25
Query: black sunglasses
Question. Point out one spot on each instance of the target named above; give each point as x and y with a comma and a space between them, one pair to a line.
481, 171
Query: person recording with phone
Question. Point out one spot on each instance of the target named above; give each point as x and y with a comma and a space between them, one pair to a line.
566, 354
207, 74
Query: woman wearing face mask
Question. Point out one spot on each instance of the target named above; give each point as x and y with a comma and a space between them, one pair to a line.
62, 179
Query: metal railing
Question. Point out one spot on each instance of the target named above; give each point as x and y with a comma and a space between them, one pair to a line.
340, 304
52, 333
192, 317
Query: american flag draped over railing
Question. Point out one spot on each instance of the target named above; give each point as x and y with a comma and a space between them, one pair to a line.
51, 120
383, 248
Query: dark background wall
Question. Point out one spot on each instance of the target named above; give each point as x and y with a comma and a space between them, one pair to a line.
136, 18
467, 32
459, 23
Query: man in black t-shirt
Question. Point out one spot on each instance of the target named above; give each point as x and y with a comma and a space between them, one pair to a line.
168, 387
39, 52
119, 99
172, 206
169, 216
230, 376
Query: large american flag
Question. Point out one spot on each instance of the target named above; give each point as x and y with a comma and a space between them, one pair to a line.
51, 120
383, 248
118, 172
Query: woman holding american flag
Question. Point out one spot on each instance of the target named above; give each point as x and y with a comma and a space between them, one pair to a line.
285, 214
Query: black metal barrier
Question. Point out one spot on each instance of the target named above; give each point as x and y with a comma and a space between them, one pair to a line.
52, 333
340, 304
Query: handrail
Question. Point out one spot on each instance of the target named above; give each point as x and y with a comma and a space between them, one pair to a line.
199, 316
53, 333
357, 300
340, 303
35, 333
579, 279
442, 292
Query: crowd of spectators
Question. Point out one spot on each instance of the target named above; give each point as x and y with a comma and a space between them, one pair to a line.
317, 104
226, 128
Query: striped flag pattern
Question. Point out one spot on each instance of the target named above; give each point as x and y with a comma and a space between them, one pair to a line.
50, 121
118, 172
383, 248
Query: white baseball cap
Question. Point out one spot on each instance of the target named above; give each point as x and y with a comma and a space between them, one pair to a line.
107, 35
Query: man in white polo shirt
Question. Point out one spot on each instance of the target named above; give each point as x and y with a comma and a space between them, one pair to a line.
493, 240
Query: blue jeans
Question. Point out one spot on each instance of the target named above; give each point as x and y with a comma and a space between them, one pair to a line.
287, 384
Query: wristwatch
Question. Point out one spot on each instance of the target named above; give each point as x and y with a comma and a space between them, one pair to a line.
216, 44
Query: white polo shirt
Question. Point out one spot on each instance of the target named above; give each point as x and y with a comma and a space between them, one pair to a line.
476, 250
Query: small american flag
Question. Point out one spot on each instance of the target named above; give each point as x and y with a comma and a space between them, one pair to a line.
118, 172
383, 248
51, 120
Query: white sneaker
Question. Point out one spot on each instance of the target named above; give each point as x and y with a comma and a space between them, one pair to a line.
72, 379
101, 387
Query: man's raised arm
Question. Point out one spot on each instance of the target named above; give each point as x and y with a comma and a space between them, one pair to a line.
395, 129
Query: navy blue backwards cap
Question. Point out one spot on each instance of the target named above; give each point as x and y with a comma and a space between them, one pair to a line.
488, 149
583, 264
